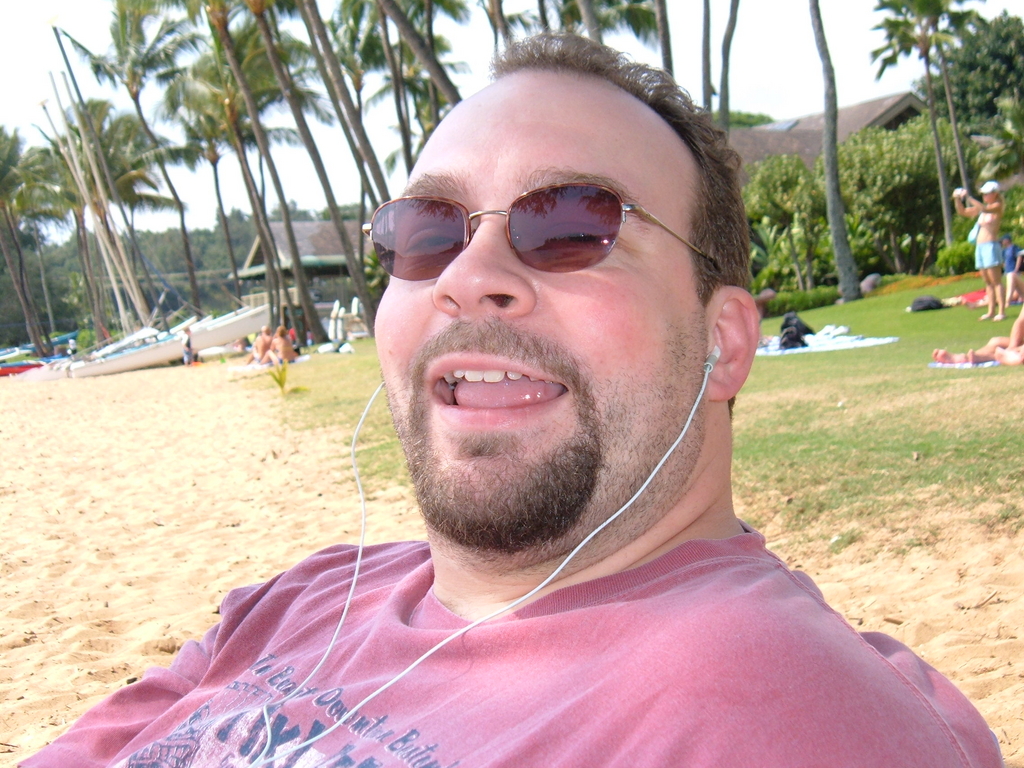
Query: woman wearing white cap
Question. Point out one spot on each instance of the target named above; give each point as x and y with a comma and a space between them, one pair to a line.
988, 256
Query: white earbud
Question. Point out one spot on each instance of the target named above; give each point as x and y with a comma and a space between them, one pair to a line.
713, 356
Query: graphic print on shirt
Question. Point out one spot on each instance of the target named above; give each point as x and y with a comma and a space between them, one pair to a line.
230, 731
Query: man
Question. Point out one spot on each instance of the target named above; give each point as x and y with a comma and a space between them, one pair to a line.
539, 374
261, 345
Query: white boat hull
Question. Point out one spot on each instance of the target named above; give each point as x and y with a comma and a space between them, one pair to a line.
158, 353
217, 331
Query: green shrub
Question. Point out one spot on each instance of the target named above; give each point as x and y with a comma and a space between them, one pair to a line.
955, 259
801, 301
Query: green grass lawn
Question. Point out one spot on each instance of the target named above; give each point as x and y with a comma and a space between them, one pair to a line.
833, 443
829, 446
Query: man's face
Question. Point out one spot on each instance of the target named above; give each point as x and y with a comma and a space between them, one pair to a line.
588, 376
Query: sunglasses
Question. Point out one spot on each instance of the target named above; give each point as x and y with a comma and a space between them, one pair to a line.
560, 228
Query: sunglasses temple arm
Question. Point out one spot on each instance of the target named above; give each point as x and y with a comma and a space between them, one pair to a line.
644, 214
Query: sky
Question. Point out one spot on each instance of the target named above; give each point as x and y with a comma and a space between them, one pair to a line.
774, 69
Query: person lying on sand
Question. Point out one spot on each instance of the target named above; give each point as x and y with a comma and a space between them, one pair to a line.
1006, 350
560, 366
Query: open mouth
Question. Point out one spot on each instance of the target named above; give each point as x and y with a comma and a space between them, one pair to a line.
496, 389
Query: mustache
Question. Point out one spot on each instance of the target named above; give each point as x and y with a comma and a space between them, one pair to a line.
494, 337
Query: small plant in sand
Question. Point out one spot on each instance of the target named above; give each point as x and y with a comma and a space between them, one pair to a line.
279, 373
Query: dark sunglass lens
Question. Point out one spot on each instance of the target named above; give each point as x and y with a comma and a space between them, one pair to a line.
416, 238
565, 229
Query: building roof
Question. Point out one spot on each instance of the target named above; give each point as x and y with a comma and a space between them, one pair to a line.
802, 135
319, 249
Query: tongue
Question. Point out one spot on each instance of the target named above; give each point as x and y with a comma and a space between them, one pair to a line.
505, 393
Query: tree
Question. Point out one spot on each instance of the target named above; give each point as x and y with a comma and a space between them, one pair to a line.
849, 284
723, 93
705, 57
133, 59
10, 237
589, 17
783, 190
287, 84
664, 34
1005, 154
912, 26
888, 182
985, 64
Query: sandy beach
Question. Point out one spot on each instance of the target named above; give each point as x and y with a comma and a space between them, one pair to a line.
131, 504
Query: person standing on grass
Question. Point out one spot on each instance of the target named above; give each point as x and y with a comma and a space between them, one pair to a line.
566, 326
987, 254
1012, 258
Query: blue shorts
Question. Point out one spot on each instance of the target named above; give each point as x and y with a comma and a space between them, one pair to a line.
987, 255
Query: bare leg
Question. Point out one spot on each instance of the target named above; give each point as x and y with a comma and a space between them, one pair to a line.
1017, 332
1010, 356
942, 356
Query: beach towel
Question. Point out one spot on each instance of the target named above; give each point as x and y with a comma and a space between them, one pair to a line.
823, 341
989, 364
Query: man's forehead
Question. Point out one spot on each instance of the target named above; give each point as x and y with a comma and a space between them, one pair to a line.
455, 186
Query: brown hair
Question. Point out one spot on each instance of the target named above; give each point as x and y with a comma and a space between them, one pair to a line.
719, 223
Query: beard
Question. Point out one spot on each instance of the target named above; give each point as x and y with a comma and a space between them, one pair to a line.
504, 504
497, 502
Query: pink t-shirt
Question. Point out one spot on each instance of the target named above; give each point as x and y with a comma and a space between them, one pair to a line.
714, 654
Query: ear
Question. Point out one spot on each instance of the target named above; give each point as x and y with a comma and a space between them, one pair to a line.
734, 326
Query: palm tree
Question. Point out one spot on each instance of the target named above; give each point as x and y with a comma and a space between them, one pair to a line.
912, 26
849, 285
664, 36
723, 93
10, 237
352, 54
218, 14
132, 60
208, 88
421, 50
589, 17
287, 84
708, 88
956, 22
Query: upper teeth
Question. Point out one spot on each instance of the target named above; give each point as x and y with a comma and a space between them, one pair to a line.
488, 376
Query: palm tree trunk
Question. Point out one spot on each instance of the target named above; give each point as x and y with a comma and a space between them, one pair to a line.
706, 57
224, 228
336, 80
849, 285
339, 111
355, 268
398, 92
542, 13
36, 332
965, 178
420, 49
190, 265
947, 214
42, 277
498, 21
664, 38
272, 275
589, 18
723, 92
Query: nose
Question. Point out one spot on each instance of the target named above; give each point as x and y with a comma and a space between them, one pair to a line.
486, 279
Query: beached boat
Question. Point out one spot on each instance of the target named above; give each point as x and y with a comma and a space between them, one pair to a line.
13, 369
158, 352
217, 331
